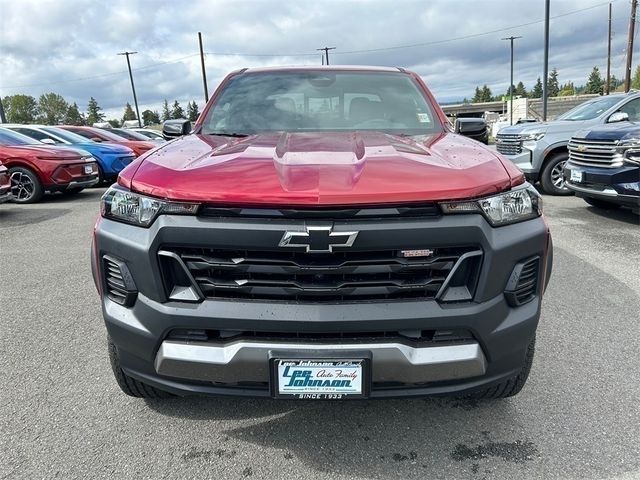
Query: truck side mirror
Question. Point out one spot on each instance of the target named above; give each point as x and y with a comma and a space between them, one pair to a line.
176, 128
618, 117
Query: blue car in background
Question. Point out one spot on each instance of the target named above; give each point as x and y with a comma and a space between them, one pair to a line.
111, 158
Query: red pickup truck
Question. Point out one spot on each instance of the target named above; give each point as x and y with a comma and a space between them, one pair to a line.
322, 233
5, 184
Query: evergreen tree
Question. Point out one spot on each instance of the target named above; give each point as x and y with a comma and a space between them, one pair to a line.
94, 112
52, 108
114, 123
192, 111
635, 80
150, 118
486, 94
520, 90
553, 88
594, 83
129, 114
73, 115
477, 96
20, 108
177, 111
536, 91
166, 114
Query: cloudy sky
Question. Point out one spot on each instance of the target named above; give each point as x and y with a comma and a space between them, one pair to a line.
70, 46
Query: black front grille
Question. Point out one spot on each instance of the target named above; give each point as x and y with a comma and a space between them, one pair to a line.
509, 144
333, 276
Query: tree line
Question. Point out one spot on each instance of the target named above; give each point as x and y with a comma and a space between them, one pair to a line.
52, 109
595, 84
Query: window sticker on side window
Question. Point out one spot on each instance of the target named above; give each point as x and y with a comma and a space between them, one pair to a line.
423, 118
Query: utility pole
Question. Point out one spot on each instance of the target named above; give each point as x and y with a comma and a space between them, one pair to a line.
326, 53
3, 119
608, 87
135, 99
511, 39
545, 68
632, 26
204, 73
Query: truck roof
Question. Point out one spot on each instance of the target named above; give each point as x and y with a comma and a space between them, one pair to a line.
367, 68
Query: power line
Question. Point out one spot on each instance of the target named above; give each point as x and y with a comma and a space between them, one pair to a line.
473, 35
102, 75
311, 54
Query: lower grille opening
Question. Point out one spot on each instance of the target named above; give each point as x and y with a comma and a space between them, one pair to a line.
404, 336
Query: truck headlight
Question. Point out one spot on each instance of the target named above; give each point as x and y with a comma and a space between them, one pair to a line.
630, 151
514, 206
128, 207
532, 137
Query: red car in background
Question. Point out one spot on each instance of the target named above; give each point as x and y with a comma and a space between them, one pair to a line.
102, 135
5, 184
35, 168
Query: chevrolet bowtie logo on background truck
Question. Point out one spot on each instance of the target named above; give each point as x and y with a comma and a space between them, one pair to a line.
319, 239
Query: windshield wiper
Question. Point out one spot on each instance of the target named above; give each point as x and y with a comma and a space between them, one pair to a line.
229, 134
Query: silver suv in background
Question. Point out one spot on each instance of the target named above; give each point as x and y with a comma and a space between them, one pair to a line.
540, 150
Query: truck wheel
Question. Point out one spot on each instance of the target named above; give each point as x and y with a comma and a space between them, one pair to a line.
551, 178
129, 385
596, 202
513, 385
25, 185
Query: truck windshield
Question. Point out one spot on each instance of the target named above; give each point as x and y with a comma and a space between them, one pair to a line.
590, 110
321, 101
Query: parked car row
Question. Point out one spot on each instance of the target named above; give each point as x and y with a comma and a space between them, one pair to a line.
541, 150
41, 159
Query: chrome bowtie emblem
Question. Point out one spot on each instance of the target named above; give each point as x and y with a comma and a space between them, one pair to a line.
582, 148
317, 239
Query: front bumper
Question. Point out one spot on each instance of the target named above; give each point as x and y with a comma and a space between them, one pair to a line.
5, 195
500, 333
616, 185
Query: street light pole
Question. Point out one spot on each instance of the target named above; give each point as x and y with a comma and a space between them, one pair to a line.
326, 53
511, 39
133, 87
545, 67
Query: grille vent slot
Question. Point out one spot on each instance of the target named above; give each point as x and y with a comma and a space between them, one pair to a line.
119, 283
523, 283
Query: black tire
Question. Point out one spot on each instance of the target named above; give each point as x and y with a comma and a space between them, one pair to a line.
100, 178
551, 177
513, 385
129, 385
25, 185
596, 202
72, 191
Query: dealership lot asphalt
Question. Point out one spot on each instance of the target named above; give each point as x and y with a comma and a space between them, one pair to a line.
62, 415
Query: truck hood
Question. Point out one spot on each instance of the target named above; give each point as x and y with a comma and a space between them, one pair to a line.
299, 169
611, 131
557, 126
48, 151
